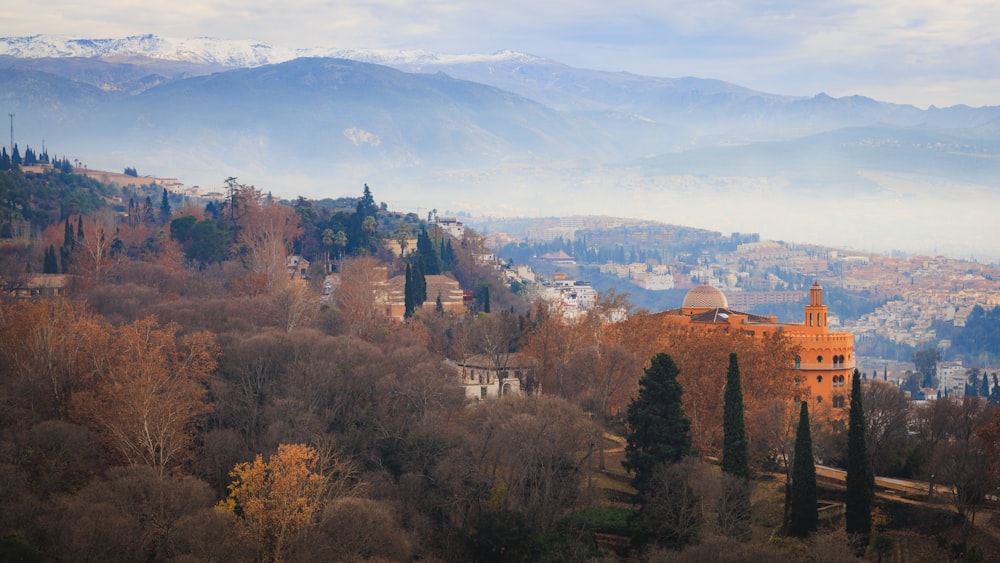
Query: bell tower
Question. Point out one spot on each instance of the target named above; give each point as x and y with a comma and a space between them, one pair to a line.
815, 312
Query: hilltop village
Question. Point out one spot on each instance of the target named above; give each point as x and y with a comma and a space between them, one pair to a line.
910, 293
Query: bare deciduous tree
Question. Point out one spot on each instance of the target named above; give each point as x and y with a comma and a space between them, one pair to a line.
360, 296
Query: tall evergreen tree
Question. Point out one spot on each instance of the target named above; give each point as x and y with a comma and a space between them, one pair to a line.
428, 251
734, 505
858, 510
51, 264
804, 513
420, 283
408, 292
659, 432
69, 241
734, 445
447, 255
165, 208
995, 393
984, 390
364, 226
147, 211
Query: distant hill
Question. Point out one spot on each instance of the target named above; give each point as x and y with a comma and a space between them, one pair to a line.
485, 133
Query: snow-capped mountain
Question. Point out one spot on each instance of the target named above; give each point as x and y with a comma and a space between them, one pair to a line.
227, 52
231, 53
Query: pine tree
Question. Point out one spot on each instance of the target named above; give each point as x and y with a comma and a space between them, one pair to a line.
427, 250
804, 513
659, 432
858, 510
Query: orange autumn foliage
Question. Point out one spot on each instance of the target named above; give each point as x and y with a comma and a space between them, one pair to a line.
277, 498
45, 348
766, 369
146, 390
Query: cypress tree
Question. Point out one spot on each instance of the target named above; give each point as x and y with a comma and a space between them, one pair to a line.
51, 264
69, 241
408, 293
659, 432
420, 283
165, 208
79, 229
985, 390
734, 445
804, 514
734, 504
858, 510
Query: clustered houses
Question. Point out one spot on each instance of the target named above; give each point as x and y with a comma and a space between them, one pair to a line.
572, 297
826, 358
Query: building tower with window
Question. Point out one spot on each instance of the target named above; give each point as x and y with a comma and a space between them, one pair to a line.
825, 360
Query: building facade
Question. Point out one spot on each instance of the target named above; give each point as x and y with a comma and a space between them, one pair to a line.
825, 359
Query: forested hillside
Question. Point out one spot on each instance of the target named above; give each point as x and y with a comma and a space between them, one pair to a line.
195, 399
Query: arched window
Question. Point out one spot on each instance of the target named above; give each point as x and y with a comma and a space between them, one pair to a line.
798, 362
819, 398
819, 379
819, 359
838, 401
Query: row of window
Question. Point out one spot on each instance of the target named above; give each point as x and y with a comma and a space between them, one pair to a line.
838, 361
838, 380
839, 401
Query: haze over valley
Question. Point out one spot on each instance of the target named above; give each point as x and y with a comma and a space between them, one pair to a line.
516, 135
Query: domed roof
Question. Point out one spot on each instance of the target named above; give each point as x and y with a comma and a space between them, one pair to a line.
705, 297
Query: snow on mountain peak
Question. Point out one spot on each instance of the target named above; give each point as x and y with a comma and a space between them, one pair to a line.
225, 52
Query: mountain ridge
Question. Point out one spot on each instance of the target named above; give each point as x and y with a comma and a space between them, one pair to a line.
515, 134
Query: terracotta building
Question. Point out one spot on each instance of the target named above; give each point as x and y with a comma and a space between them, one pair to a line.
825, 358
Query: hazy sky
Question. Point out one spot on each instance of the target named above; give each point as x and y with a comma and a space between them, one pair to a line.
922, 52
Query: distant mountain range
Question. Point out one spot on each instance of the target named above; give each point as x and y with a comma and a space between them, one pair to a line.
470, 129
